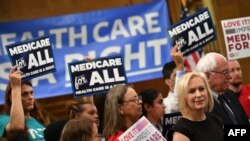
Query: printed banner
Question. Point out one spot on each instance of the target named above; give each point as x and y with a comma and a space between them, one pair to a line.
169, 120
142, 130
237, 37
97, 76
136, 33
34, 57
193, 32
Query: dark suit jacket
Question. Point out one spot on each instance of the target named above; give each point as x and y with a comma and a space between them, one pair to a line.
233, 102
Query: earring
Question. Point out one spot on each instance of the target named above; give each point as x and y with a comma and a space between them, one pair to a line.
121, 112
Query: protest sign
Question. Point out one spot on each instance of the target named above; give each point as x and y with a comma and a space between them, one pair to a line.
136, 33
34, 57
193, 32
237, 37
97, 76
169, 120
142, 130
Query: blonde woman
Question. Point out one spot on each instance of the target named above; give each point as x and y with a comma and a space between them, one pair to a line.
195, 103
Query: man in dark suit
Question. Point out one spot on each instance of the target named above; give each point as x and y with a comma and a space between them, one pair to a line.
226, 105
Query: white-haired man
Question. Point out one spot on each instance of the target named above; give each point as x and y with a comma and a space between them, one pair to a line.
226, 104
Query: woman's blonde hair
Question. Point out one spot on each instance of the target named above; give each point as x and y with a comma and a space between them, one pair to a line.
182, 90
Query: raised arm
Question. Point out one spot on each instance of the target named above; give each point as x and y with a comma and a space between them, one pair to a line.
177, 57
179, 62
17, 118
171, 102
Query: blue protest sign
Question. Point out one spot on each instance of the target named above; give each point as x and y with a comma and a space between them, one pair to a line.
97, 76
193, 32
136, 33
34, 57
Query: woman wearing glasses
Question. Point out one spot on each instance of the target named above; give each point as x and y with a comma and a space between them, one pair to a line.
122, 109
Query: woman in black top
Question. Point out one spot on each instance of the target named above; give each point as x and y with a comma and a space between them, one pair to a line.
195, 100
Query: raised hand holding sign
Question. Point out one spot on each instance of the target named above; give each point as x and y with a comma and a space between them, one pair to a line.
33, 57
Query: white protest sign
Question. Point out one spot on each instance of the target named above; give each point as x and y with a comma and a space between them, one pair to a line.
237, 37
142, 130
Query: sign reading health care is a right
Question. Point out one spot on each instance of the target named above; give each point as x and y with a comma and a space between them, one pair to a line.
137, 33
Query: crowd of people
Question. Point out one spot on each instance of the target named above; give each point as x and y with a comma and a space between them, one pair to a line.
208, 98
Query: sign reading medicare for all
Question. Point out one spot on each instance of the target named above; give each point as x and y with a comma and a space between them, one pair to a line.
97, 76
137, 33
193, 32
33, 57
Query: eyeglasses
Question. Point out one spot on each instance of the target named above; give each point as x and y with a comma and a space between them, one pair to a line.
225, 72
134, 100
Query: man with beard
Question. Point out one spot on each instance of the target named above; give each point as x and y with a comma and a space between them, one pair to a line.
235, 84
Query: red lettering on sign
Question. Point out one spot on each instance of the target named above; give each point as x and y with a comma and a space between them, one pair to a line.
239, 46
245, 21
232, 24
238, 38
128, 137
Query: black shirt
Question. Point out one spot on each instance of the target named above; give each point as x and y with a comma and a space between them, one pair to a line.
210, 129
